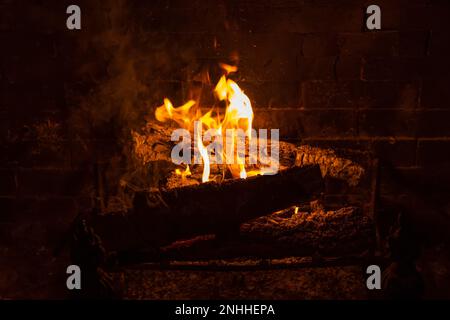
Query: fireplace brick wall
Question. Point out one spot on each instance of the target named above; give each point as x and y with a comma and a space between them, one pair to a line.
309, 67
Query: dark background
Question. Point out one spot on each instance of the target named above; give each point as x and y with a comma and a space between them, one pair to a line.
70, 98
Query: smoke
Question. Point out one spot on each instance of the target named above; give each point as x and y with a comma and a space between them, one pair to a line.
128, 57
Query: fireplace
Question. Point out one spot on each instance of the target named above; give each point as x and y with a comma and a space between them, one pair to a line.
225, 150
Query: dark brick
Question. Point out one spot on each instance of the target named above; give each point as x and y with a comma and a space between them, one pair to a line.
88, 151
384, 43
429, 179
41, 182
412, 15
326, 123
391, 13
266, 46
19, 70
436, 68
200, 19
80, 157
45, 17
184, 4
439, 44
7, 182
318, 68
22, 43
300, 124
7, 17
433, 152
393, 183
57, 215
106, 149
392, 68
424, 17
271, 69
337, 186
6, 209
39, 98
387, 123
37, 155
330, 94
320, 45
268, 57
286, 120
186, 45
16, 153
32, 143
57, 209
433, 123
414, 43
360, 94
6, 131
167, 89
387, 94
272, 94
15, 209
303, 18
436, 93
401, 152
348, 68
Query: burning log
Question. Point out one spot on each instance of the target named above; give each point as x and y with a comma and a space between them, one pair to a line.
160, 218
295, 231
330, 164
287, 156
155, 145
152, 143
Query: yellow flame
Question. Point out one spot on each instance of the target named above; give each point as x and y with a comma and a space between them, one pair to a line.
183, 174
227, 68
239, 106
204, 153
179, 115
238, 115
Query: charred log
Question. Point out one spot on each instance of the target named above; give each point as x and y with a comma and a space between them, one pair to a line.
296, 231
330, 164
160, 218
153, 144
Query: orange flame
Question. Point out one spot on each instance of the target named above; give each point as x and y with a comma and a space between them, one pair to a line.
238, 116
183, 174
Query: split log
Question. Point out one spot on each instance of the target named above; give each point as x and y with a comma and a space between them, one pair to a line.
330, 164
152, 147
217, 208
152, 143
296, 231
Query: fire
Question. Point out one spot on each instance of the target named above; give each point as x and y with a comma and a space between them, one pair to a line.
238, 116
179, 115
204, 153
239, 106
185, 173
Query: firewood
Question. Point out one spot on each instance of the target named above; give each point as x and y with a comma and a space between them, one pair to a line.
330, 164
289, 232
152, 143
159, 218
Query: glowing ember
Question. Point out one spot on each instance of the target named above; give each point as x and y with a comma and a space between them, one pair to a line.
184, 173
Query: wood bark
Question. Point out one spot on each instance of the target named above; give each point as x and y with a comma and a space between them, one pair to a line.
158, 219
